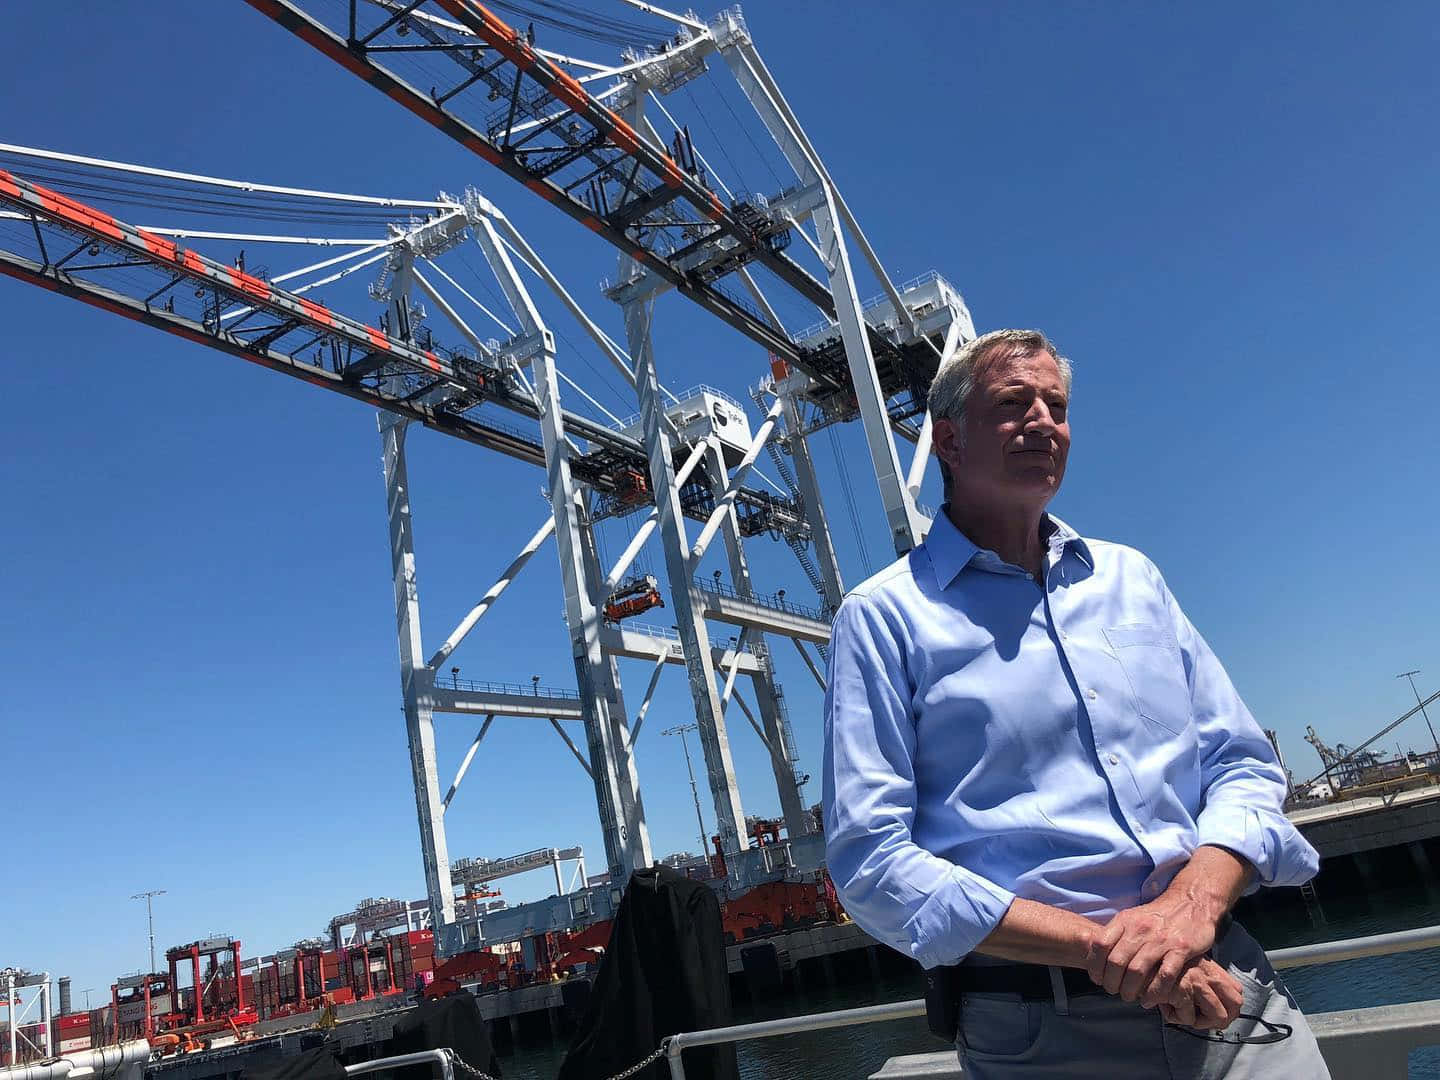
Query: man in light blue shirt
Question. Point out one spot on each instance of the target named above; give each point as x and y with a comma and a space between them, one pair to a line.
1035, 765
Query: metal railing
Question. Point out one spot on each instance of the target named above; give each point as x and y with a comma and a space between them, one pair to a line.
870, 304
671, 634
443, 1058
765, 600
683, 396
514, 689
1336, 1031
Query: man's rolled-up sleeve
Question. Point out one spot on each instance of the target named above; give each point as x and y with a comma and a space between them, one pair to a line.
1241, 779
916, 902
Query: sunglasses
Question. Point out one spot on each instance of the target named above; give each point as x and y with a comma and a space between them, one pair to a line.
1273, 1033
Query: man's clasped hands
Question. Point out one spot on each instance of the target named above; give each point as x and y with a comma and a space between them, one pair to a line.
1158, 954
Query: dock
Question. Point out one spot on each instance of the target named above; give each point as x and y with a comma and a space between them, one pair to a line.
1357, 826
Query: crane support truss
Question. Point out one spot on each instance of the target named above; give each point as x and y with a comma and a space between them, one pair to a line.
576, 152
85, 253
874, 360
546, 99
155, 281
88, 254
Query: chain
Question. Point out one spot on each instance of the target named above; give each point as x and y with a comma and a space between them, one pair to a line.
468, 1070
646, 1062
464, 1068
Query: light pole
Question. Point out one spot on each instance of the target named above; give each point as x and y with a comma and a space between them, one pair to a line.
149, 896
86, 992
681, 729
1411, 676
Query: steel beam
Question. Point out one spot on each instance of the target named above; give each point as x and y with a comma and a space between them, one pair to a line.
805, 655
725, 494
808, 481
641, 644
416, 685
907, 525
488, 600
445, 699
797, 821
609, 672
469, 757
689, 620
649, 694
921, 459
617, 800
755, 614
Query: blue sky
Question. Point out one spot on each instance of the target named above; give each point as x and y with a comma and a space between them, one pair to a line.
1224, 216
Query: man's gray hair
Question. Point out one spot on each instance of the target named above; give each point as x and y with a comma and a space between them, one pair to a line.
955, 381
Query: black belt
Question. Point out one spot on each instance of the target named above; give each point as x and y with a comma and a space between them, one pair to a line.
1031, 981
946, 987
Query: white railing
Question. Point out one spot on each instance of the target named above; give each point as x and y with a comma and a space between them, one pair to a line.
443, 1058
1363, 1044
684, 395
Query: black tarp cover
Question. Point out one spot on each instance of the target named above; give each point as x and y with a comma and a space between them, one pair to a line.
663, 973
454, 1021
316, 1064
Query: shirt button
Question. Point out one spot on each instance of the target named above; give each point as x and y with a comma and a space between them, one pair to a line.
1091, 694
1113, 760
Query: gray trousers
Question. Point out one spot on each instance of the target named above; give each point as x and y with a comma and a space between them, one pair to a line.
1100, 1037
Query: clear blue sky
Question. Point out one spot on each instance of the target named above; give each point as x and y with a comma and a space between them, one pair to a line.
1225, 215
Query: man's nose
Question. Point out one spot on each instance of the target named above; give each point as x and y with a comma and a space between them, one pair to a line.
1038, 420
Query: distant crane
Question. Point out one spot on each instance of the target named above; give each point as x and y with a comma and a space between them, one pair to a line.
1351, 761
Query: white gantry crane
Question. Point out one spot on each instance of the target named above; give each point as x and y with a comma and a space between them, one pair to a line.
580, 134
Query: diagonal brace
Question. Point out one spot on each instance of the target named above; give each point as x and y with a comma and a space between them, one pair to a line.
660, 662
647, 527
488, 600
805, 655
578, 756
465, 765
725, 504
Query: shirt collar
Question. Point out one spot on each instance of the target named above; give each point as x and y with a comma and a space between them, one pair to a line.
951, 551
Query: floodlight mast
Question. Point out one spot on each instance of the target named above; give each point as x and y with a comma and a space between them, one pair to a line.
148, 896
681, 730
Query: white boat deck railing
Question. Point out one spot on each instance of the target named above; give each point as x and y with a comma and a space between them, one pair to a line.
445, 1059
1358, 1043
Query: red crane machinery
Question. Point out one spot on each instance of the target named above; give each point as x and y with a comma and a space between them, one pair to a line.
295, 980
217, 999
634, 597
136, 1004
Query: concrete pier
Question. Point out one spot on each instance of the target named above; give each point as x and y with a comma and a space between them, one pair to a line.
1356, 826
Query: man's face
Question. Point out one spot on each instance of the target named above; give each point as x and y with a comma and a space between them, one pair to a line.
1016, 434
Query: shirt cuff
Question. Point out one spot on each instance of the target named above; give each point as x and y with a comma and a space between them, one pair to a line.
956, 917
1269, 840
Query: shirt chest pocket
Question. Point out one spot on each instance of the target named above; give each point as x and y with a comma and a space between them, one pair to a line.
1150, 657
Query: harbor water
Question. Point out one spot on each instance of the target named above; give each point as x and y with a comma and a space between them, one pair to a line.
843, 1053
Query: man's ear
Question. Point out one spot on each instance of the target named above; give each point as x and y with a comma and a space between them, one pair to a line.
945, 438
